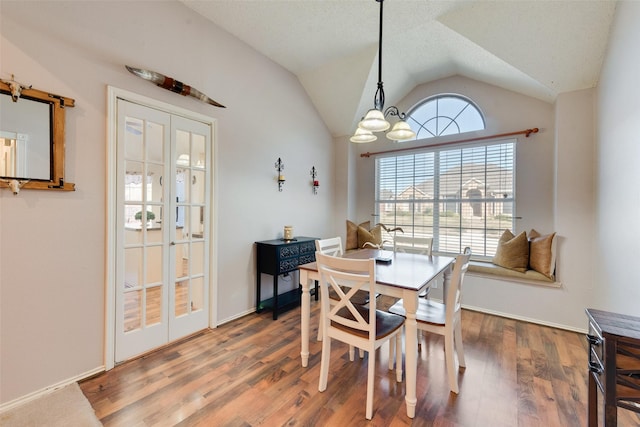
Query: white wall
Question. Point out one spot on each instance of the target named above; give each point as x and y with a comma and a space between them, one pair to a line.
617, 286
554, 188
52, 244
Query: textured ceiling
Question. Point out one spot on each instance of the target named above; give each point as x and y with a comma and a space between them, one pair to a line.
537, 48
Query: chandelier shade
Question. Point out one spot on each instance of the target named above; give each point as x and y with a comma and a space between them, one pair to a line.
401, 131
374, 121
363, 135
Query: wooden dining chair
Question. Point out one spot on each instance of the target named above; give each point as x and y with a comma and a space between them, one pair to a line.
417, 245
333, 247
444, 319
356, 325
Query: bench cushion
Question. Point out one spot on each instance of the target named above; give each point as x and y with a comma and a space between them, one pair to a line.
489, 268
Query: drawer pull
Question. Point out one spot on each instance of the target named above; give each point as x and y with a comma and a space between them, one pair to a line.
594, 340
595, 368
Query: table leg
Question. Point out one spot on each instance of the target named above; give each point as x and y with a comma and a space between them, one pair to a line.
305, 313
411, 345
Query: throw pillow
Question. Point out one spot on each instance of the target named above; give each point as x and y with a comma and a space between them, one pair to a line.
373, 236
542, 253
512, 251
352, 234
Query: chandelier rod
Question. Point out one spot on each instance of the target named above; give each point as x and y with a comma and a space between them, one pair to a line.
378, 100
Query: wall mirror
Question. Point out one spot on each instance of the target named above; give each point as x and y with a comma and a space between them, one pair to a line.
32, 139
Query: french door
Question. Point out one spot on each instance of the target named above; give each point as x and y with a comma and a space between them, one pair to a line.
163, 164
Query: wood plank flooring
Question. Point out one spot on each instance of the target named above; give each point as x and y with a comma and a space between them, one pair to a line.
248, 373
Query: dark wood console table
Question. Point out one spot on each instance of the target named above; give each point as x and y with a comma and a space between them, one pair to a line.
614, 364
277, 257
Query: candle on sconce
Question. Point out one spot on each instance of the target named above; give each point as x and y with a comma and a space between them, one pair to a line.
316, 183
280, 177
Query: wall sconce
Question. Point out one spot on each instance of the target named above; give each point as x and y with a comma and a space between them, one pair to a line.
280, 167
315, 183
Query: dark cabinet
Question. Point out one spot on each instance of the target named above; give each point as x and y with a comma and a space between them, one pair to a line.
614, 364
276, 257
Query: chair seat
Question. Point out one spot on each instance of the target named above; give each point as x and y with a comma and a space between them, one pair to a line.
428, 311
386, 323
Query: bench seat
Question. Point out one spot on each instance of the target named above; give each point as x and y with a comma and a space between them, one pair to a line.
490, 270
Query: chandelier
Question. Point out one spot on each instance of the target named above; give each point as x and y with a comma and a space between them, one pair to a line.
375, 119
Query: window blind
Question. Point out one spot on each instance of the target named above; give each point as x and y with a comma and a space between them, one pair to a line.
459, 195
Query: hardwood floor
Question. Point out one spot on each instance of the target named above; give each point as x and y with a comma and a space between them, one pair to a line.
248, 373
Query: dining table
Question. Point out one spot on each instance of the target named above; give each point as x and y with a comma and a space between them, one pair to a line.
398, 275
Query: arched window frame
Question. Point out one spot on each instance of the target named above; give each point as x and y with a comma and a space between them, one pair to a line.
421, 127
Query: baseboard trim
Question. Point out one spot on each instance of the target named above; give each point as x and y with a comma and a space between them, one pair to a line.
49, 389
524, 319
237, 316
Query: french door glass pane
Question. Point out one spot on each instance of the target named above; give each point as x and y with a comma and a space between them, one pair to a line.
182, 298
154, 264
154, 228
197, 258
132, 310
154, 183
182, 260
155, 139
197, 187
154, 305
198, 151
133, 182
182, 148
197, 294
132, 267
133, 135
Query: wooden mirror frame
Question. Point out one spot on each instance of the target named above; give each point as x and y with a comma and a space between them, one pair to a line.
57, 122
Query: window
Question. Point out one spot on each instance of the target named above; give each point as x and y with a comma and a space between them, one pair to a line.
445, 115
461, 196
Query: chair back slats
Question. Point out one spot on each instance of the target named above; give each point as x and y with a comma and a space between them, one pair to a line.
454, 293
346, 277
419, 245
331, 246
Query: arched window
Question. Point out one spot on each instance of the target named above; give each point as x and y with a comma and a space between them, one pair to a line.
445, 115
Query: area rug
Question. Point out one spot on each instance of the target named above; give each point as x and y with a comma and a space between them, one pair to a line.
65, 407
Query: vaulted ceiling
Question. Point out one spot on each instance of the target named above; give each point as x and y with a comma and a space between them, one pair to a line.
537, 48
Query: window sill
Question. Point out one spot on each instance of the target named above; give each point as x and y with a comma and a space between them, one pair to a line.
492, 271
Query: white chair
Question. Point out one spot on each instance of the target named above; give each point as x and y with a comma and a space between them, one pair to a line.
444, 319
356, 325
420, 245
333, 247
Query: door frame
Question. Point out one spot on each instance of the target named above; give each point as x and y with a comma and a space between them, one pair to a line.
111, 250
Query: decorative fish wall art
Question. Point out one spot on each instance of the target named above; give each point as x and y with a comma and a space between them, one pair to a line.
173, 85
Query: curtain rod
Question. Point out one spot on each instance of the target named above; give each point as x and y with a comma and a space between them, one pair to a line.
525, 132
